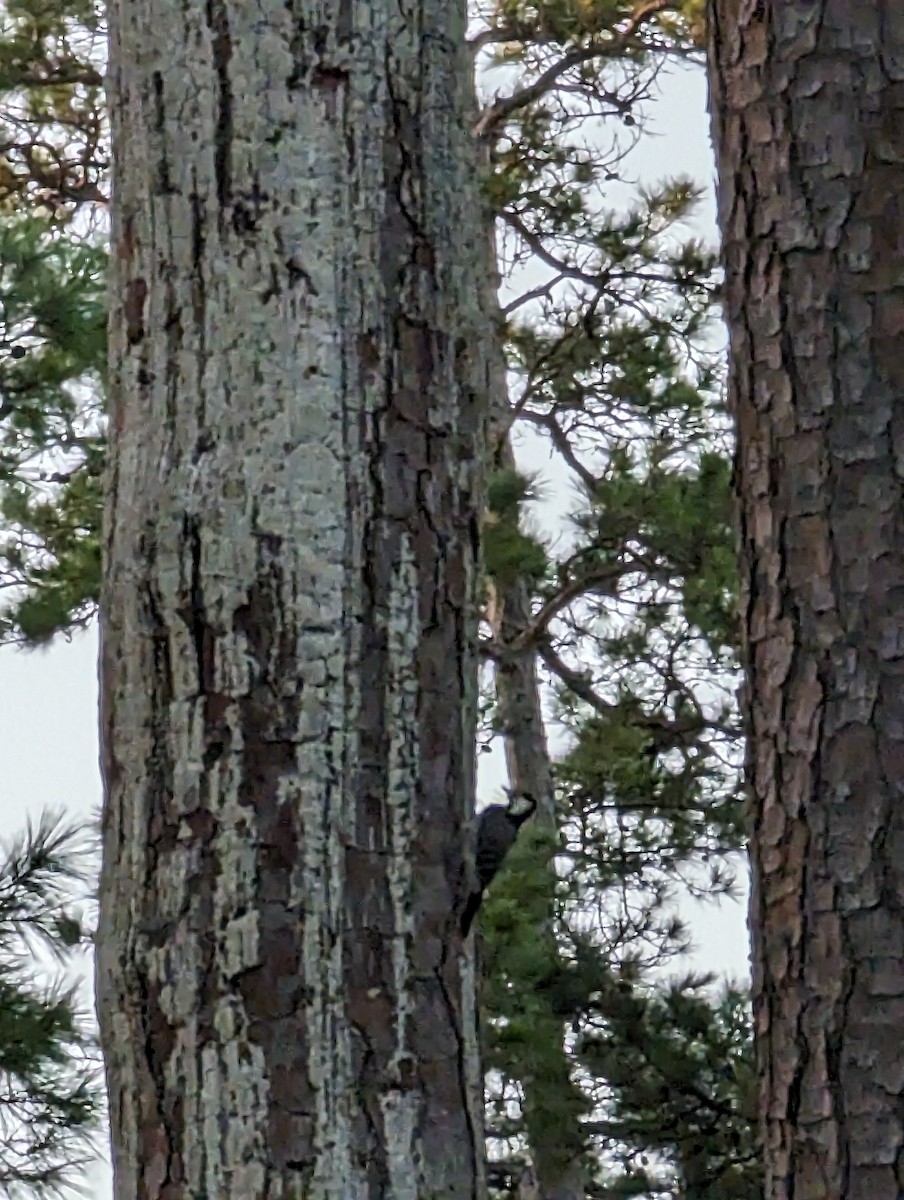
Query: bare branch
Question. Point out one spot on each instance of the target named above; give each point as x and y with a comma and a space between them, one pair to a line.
559, 438
613, 44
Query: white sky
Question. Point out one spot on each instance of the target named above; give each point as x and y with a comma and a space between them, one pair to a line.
48, 699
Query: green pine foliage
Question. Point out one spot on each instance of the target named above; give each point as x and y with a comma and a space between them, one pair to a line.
510, 551
526, 991
51, 1099
611, 369
52, 314
681, 1090
52, 120
52, 357
52, 351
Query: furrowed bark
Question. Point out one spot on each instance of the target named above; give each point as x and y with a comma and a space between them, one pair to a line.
808, 106
298, 398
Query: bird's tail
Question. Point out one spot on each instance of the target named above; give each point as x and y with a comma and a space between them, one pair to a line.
470, 912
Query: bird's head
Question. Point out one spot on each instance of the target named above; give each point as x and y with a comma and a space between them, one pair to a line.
521, 805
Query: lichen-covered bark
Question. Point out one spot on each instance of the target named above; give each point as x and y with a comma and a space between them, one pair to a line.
298, 395
808, 101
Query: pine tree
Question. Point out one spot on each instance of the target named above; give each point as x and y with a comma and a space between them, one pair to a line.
611, 371
609, 368
51, 344
811, 221
52, 349
298, 395
52, 314
51, 1098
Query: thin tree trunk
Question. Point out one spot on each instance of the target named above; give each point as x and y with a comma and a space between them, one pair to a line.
808, 102
558, 1156
298, 394
518, 688
557, 1143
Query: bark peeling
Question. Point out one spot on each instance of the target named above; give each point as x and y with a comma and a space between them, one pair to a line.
298, 399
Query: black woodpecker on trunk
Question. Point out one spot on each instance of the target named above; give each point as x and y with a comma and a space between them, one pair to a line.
497, 828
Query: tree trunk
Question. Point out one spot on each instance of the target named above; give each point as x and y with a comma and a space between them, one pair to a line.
808, 103
551, 1115
298, 397
550, 1104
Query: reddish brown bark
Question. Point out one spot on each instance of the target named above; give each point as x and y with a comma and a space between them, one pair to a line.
808, 105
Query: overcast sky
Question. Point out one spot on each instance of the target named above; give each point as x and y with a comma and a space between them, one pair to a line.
48, 699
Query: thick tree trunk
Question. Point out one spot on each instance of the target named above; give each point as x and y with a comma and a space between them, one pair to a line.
298, 396
808, 103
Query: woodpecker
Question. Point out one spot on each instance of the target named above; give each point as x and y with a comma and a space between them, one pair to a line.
497, 828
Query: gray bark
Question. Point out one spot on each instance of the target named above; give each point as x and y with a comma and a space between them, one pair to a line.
808, 102
297, 403
558, 1164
